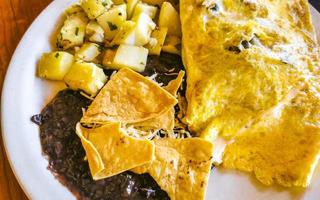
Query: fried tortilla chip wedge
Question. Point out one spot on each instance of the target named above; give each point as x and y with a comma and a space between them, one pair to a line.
242, 58
110, 151
166, 120
181, 167
281, 148
128, 97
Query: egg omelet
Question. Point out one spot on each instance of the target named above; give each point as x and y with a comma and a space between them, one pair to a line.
243, 58
284, 146
253, 80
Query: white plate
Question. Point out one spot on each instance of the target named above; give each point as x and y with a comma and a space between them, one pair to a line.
25, 95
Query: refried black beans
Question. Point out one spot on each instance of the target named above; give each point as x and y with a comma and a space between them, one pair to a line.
65, 154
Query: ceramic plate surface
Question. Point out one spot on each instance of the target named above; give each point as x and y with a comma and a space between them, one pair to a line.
25, 95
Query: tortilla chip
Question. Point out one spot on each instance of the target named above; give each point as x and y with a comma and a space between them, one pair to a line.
181, 167
166, 120
128, 97
110, 151
283, 148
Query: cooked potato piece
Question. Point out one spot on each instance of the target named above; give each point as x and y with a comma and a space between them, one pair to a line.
129, 56
112, 20
169, 18
131, 4
149, 10
95, 8
126, 34
88, 52
86, 77
118, 2
94, 32
159, 36
73, 9
154, 2
136, 32
55, 65
72, 32
172, 44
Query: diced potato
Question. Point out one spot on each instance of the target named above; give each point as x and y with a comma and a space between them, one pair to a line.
88, 52
73, 9
131, 4
126, 34
172, 44
154, 2
86, 77
95, 8
118, 2
127, 56
72, 32
137, 32
55, 65
94, 32
149, 10
112, 20
159, 36
169, 18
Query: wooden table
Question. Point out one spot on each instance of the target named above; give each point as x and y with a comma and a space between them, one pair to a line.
15, 18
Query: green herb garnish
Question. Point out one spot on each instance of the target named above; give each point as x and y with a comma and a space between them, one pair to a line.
57, 55
112, 26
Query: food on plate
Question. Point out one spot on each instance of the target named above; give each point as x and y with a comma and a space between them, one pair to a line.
95, 8
94, 32
245, 59
156, 41
128, 97
87, 77
166, 120
111, 151
145, 8
54, 65
129, 56
170, 18
134, 125
88, 52
181, 167
112, 20
73, 30
282, 147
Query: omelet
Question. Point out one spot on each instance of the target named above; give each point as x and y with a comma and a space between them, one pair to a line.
243, 58
181, 167
128, 97
253, 81
284, 146
111, 151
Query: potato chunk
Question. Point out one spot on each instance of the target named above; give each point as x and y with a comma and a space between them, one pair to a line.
95, 8
129, 56
88, 52
172, 44
136, 32
131, 4
86, 77
55, 65
145, 8
112, 20
169, 18
73, 30
159, 36
94, 32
